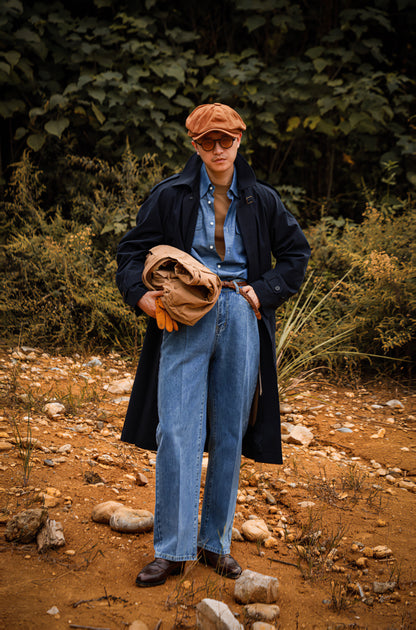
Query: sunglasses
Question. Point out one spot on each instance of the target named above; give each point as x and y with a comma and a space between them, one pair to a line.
225, 142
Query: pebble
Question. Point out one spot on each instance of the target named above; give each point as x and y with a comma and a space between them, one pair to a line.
53, 611
5, 446
212, 614
141, 479
102, 512
344, 430
380, 434
383, 587
252, 587
236, 535
53, 410
51, 536
262, 612
123, 386
255, 530
306, 504
395, 404
382, 551
300, 435
24, 526
138, 625
132, 521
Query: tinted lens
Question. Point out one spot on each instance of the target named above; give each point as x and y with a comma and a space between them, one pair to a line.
226, 142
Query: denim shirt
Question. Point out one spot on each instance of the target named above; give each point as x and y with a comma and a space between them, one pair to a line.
234, 265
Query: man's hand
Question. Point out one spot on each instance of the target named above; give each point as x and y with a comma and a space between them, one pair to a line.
148, 302
248, 290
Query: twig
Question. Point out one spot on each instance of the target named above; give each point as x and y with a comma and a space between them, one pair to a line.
99, 599
289, 564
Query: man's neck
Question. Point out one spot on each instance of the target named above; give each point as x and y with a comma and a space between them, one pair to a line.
221, 179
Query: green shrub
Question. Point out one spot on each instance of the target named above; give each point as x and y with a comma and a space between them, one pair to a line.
378, 297
58, 274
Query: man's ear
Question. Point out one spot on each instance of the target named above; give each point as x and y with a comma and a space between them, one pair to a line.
194, 144
240, 135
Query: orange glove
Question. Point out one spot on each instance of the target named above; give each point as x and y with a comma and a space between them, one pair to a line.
163, 319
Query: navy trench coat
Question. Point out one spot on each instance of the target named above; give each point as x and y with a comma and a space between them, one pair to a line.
168, 217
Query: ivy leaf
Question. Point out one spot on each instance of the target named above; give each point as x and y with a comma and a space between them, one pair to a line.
320, 64
98, 114
12, 57
253, 22
4, 67
57, 127
293, 123
36, 141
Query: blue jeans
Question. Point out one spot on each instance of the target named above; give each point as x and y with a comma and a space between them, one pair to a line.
207, 374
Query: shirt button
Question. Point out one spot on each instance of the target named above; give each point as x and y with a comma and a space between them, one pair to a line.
211, 246
277, 287
219, 266
211, 222
209, 203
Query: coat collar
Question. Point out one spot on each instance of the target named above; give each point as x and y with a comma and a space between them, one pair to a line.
190, 174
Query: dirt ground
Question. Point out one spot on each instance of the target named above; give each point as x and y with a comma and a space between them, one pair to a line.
357, 485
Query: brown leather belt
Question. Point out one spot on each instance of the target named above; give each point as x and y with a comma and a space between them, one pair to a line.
228, 284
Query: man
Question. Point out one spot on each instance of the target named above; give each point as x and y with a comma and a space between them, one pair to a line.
196, 386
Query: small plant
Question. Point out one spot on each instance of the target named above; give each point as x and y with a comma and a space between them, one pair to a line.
339, 600
316, 546
25, 445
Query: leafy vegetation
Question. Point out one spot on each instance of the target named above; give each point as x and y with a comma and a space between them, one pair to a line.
326, 93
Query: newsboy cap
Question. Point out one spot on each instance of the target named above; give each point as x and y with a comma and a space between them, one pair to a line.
213, 117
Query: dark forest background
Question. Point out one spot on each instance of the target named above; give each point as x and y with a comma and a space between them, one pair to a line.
94, 96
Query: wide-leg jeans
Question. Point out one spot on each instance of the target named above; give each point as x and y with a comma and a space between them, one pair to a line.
207, 374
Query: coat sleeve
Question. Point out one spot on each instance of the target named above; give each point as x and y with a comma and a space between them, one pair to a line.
290, 250
134, 247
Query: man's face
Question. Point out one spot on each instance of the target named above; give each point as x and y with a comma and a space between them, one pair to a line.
218, 160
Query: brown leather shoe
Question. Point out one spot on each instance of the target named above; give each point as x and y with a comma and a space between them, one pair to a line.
223, 564
158, 571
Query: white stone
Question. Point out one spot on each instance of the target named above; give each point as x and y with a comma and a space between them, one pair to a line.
306, 504
51, 536
252, 587
133, 521
53, 611
54, 409
212, 614
394, 404
382, 551
123, 386
255, 530
300, 435
262, 612
102, 512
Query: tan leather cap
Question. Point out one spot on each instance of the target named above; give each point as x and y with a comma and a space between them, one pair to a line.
213, 117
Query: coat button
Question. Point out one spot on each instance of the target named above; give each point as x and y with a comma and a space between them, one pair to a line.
277, 288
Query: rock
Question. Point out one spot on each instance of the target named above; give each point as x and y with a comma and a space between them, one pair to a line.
255, 530
286, 428
262, 612
53, 611
141, 479
53, 410
261, 625
252, 587
344, 430
5, 446
271, 542
133, 521
24, 526
93, 362
306, 504
300, 435
102, 512
285, 409
212, 614
123, 386
269, 497
407, 485
362, 562
236, 536
395, 404
380, 434
383, 587
138, 625
93, 477
51, 536
382, 551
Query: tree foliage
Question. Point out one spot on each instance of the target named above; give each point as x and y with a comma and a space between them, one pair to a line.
326, 92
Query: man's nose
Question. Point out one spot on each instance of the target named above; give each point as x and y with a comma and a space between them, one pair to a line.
217, 147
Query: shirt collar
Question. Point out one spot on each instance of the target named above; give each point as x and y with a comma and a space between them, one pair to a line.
205, 182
